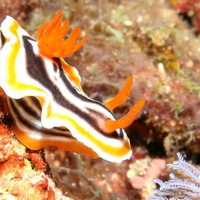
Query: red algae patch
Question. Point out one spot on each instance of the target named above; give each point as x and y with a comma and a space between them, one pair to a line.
23, 173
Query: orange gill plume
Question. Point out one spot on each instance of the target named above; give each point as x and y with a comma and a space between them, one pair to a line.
112, 125
51, 41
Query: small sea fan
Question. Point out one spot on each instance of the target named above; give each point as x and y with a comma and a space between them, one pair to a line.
186, 188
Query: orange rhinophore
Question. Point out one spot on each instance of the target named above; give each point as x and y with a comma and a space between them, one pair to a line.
125, 121
120, 98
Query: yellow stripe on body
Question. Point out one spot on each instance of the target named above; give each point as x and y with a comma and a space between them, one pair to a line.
14, 50
15, 85
102, 146
71, 145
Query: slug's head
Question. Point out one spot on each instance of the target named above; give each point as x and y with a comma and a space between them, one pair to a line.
10, 30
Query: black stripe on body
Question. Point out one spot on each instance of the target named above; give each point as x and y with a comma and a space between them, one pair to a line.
29, 108
3, 39
38, 71
31, 124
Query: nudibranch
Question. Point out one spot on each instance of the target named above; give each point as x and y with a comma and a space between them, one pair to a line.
45, 97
